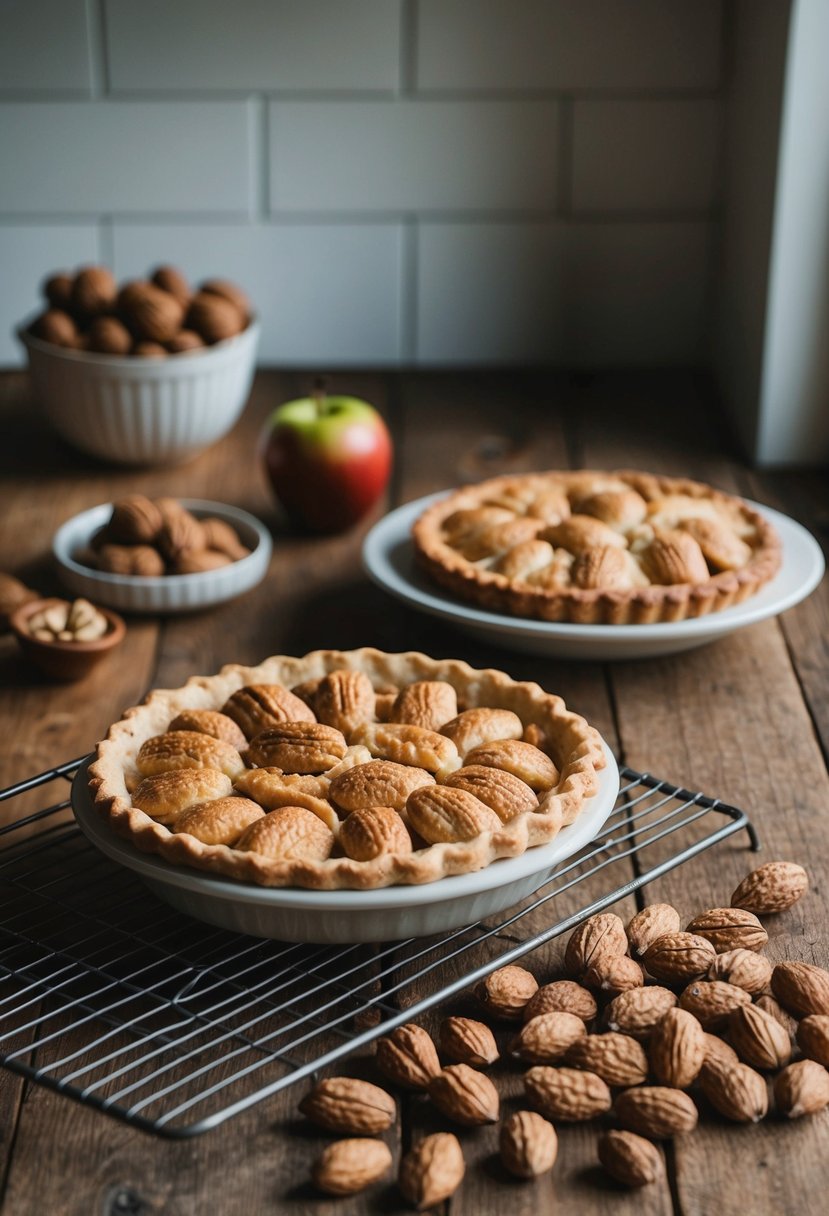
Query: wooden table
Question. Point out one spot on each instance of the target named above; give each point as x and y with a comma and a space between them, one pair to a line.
746, 719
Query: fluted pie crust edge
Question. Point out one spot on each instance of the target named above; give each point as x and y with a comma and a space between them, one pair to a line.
648, 605
577, 745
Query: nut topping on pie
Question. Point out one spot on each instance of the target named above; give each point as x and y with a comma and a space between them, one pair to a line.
544, 545
299, 747
361, 804
179, 749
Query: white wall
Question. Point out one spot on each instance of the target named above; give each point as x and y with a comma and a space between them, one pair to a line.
394, 181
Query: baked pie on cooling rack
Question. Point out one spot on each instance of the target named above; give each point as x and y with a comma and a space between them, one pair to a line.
588, 547
346, 769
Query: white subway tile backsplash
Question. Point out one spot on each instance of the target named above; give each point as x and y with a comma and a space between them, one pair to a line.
413, 156
257, 44
43, 46
93, 157
489, 293
637, 293
28, 253
578, 294
325, 294
568, 44
645, 155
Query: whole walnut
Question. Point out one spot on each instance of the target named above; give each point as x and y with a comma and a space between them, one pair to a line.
228, 291
55, 326
13, 594
135, 520
149, 350
173, 281
181, 533
58, 290
93, 291
149, 312
214, 317
198, 562
185, 340
141, 560
108, 336
223, 538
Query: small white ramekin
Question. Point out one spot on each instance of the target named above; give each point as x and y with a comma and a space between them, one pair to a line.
130, 410
169, 593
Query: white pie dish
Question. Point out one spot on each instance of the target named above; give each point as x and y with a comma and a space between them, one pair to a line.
296, 915
389, 559
170, 593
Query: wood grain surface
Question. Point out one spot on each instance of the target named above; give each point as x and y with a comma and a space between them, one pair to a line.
746, 719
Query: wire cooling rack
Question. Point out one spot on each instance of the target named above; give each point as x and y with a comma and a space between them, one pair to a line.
109, 997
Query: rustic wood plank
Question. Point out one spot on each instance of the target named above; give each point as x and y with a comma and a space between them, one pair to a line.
729, 719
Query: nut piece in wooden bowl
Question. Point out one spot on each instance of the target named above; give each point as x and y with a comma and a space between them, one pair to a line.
66, 640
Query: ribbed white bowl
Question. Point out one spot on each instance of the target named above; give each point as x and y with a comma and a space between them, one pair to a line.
169, 593
131, 410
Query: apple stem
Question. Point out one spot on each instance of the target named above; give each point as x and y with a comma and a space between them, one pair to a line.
319, 394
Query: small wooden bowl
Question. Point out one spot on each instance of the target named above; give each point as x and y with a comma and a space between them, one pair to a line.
64, 661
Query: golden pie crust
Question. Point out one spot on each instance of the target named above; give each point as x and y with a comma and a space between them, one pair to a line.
412, 812
591, 547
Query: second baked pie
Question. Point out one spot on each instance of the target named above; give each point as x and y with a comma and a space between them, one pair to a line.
346, 769
590, 547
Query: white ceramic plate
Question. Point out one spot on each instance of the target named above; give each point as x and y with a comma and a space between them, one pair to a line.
388, 558
297, 915
168, 593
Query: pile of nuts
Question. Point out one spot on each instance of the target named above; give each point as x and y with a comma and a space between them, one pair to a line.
719, 1017
79, 621
151, 318
151, 537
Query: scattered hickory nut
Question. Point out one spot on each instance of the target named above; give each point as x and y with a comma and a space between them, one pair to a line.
759, 1039
801, 988
600, 936
350, 1106
545, 1039
801, 1089
772, 1005
678, 957
349, 1166
729, 928
465, 1095
771, 888
656, 1111
465, 1041
528, 1144
432, 1171
743, 968
639, 1011
567, 1094
712, 1002
677, 1049
505, 992
617, 1058
613, 973
736, 1091
630, 1159
408, 1057
813, 1037
649, 924
562, 996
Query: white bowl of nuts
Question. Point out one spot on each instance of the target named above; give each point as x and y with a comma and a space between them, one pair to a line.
149, 374
162, 556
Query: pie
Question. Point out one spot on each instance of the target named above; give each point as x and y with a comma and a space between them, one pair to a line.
587, 547
345, 769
